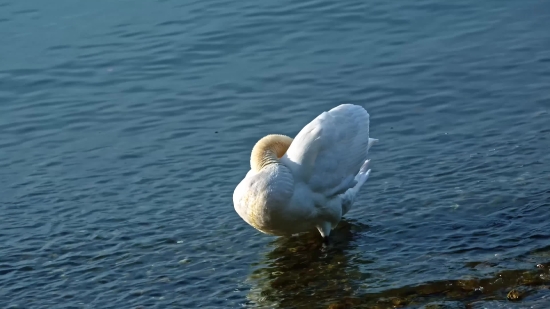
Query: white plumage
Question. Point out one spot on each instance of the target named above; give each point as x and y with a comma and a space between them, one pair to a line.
310, 182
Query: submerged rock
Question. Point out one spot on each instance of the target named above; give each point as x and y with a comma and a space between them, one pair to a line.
514, 295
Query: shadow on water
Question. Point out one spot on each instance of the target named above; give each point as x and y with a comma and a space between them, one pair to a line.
299, 272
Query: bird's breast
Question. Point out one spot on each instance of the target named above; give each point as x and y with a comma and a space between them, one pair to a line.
261, 199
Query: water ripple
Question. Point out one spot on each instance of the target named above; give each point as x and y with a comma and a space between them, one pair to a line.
125, 126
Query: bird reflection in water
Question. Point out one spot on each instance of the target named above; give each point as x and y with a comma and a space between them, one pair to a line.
300, 272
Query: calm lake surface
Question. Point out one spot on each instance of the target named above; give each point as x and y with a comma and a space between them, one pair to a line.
126, 125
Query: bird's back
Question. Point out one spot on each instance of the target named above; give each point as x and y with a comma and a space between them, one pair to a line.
328, 152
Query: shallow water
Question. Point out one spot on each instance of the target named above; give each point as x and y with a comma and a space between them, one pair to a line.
126, 125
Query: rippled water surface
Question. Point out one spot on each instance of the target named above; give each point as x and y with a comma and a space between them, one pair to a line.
126, 125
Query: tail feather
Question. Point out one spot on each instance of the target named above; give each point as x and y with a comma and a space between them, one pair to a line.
372, 141
348, 197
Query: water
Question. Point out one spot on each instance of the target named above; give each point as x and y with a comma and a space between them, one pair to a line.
126, 125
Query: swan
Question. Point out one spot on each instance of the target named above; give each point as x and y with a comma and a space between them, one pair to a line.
311, 181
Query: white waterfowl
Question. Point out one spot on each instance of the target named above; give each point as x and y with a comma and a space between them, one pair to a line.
310, 182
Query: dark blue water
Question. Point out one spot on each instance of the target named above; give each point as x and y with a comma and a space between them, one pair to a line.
126, 125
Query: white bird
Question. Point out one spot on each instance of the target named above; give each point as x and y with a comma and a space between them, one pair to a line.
310, 182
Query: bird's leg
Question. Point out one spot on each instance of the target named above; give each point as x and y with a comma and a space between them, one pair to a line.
324, 229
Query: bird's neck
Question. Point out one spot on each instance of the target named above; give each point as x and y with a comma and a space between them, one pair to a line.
269, 150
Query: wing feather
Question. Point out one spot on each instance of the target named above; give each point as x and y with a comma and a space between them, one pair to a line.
329, 151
